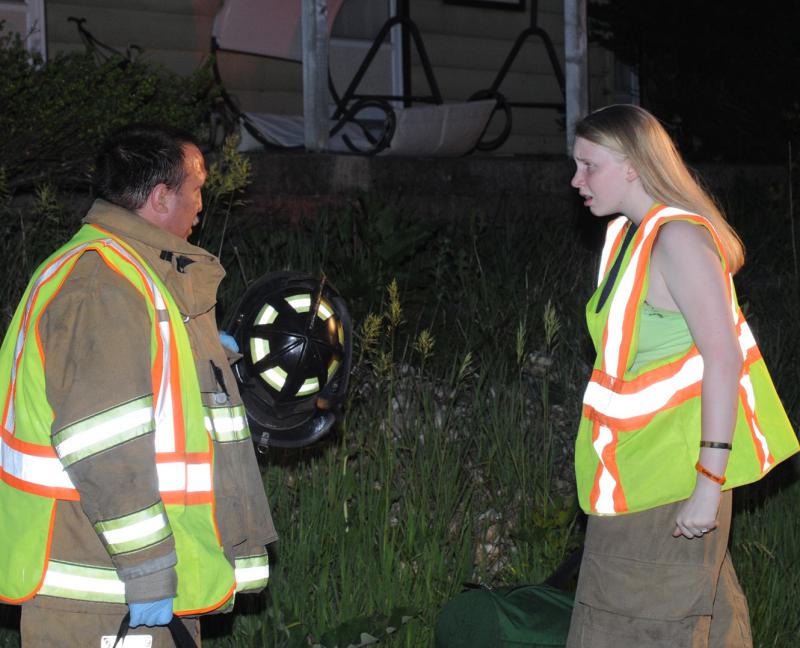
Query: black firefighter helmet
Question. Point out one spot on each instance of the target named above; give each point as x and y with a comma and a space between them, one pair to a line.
295, 335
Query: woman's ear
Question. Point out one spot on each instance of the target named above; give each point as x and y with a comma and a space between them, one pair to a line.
631, 173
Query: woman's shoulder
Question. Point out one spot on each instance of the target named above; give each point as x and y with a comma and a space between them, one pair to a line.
677, 237
684, 250
685, 265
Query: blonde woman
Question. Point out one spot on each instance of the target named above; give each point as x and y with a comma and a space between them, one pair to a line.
680, 407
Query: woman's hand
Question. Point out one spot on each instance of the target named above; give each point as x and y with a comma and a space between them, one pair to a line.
698, 515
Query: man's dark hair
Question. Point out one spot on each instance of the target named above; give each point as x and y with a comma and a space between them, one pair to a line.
135, 159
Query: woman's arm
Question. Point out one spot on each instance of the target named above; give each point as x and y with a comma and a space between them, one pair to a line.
686, 259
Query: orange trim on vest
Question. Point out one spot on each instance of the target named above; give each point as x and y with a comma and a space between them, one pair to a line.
752, 423
180, 499
27, 447
188, 457
753, 355
594, 496
57, 492
210, 608
179, 432
632, 304
656, 375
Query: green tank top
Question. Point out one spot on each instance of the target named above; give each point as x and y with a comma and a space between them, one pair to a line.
662, 333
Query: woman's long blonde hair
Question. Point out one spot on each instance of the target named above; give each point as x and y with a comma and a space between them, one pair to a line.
633, 132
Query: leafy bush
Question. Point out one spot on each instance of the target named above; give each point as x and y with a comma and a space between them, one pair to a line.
55, 113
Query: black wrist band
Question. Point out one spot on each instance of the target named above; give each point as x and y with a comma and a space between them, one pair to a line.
716, 444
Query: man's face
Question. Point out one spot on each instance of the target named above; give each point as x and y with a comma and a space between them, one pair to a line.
186, 202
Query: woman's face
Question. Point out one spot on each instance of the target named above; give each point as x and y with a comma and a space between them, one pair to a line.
602, 177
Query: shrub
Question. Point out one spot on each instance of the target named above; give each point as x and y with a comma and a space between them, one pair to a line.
55, 113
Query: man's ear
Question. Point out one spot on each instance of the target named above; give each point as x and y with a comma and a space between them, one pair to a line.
158, 199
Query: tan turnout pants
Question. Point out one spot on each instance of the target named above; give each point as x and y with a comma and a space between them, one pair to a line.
58, 624
640, 587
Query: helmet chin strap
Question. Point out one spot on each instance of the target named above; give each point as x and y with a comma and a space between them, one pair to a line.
318, 427
312, 313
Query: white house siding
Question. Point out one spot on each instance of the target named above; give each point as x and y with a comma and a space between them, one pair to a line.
173, 33
466, 46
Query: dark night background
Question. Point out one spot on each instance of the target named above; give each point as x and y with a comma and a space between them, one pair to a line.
722, 75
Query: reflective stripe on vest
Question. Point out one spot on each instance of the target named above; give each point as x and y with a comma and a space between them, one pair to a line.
614, 235
616, 405
82, 583
631, 404
608, 495
748, 399
25, 468
38, 469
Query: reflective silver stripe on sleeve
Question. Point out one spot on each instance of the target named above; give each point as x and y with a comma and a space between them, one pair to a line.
105, 430
82, 583
135, 531
251, 572
226, 424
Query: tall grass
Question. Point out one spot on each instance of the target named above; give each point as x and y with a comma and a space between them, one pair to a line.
766, 552
454, 460
450, 466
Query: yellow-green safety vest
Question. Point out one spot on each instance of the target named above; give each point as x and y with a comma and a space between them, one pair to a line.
32, 470
639, 435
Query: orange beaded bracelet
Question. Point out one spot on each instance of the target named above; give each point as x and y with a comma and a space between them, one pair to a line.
707, 473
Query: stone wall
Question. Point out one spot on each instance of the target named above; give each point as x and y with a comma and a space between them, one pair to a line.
296, 185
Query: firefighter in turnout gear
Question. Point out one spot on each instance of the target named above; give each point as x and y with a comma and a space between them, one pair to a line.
129, 482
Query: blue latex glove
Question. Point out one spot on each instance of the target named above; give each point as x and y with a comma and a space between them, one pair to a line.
228, 341
151, 613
